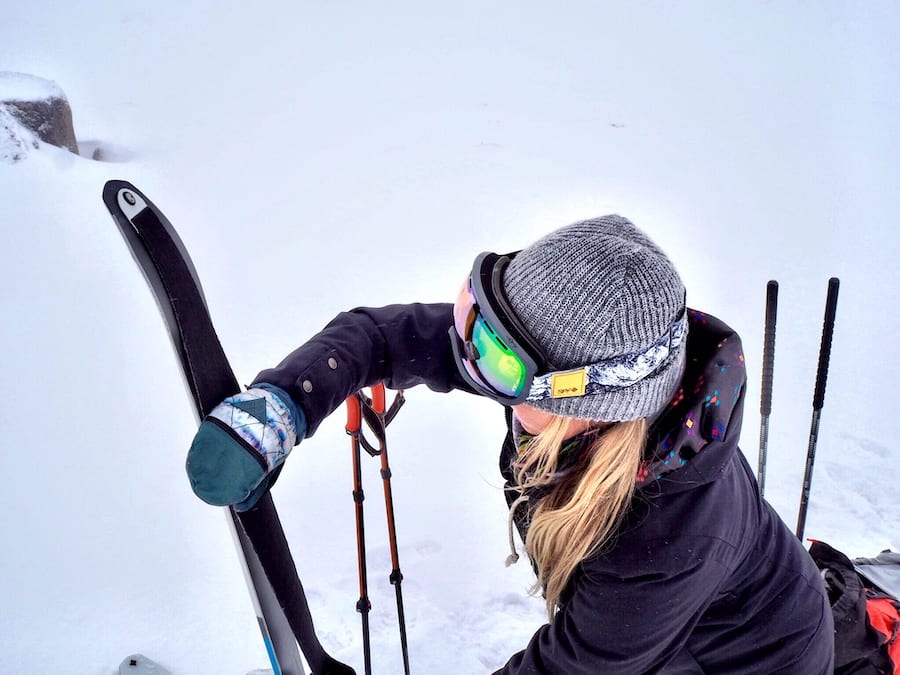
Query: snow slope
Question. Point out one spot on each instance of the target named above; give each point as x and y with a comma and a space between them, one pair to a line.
351, 154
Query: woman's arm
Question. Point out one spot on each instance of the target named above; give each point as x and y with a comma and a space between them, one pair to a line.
402, 345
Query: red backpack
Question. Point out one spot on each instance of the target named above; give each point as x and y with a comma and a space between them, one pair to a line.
866, 617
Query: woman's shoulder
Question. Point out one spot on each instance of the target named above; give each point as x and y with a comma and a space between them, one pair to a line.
672, 532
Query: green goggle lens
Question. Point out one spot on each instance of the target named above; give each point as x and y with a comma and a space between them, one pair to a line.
497, 364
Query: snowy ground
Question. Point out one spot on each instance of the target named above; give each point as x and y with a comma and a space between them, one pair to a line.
356, 153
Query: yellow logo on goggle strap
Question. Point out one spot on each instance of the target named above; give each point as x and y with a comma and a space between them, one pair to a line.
569, 383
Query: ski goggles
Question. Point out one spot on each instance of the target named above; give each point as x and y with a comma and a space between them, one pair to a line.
497, 356
494, 351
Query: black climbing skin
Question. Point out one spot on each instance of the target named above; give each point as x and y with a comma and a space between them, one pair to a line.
159, 252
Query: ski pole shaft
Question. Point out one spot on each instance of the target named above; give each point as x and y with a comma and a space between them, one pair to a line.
396, 576
765, 406
818, 398
363, 605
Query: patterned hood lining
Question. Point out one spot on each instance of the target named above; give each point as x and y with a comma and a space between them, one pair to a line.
706, 410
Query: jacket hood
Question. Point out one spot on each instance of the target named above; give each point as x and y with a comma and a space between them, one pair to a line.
695, 437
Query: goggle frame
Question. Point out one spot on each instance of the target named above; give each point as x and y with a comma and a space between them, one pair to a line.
504, 327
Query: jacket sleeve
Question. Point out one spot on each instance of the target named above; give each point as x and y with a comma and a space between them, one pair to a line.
401, 345
635, 623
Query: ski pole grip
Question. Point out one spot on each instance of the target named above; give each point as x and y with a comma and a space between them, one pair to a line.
378, 398
825, 349
765, 407
354, 415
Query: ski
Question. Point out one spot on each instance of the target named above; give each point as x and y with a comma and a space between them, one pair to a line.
275, 589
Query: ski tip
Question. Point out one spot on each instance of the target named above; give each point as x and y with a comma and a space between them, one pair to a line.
111, 187
138, 664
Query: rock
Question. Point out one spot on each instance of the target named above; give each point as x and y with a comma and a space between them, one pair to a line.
40, 106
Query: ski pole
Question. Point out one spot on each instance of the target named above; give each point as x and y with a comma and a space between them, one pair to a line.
363, 605
373, 411
396, 576
818, 398
765, 405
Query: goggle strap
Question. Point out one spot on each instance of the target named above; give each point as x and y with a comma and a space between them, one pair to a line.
470, 351
622, 371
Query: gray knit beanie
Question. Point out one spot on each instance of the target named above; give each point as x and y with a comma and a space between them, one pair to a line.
592, 291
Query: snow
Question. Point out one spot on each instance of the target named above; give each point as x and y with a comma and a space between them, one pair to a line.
24, 87
16, 142
331, 155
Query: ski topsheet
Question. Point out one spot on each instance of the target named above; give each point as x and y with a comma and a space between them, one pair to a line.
275, 588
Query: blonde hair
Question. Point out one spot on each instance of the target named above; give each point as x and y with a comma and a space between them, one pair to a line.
584, 508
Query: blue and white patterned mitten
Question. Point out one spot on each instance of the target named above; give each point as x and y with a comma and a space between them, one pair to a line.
241, 445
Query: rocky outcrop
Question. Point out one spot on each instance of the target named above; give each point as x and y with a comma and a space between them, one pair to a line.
39, 106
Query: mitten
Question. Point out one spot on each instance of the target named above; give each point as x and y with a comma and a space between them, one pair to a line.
242, 444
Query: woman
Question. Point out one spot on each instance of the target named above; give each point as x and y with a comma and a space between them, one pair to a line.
640, 515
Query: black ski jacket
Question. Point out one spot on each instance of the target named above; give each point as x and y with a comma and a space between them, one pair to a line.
703, 576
